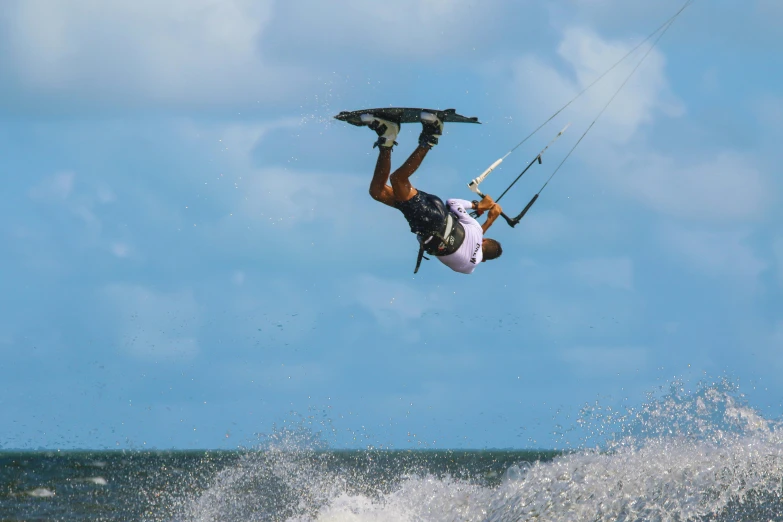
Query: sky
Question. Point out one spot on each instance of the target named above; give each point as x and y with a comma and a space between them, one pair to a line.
191, 258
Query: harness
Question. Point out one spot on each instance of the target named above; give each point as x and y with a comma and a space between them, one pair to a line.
441, 243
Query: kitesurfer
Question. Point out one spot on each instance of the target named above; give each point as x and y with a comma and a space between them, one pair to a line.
450, 234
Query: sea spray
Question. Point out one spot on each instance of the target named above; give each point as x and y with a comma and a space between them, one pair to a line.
701, 455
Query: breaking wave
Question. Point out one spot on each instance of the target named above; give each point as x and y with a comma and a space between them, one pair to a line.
683, 456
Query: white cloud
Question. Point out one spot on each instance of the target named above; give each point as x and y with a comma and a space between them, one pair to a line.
182, 51
409, 29
235, 140
612, 272
222, 52
714, 253
589, 56
276, 196
726, 188
395, 304
284, 197
57, 187
585, 56
106, 195
155, 326
121, 250
602, 361
620, 14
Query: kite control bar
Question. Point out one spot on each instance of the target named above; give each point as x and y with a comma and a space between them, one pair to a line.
511, 221
474, 184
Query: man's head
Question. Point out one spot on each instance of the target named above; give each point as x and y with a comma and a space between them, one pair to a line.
490, 248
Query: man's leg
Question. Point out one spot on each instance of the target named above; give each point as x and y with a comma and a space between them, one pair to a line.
432, 128
400, 182
387, 133
379, 190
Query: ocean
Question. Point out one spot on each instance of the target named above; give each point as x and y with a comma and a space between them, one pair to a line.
698, 456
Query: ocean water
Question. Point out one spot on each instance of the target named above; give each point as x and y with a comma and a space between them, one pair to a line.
702, 455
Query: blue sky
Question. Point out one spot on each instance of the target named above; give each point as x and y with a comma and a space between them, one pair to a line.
191, 256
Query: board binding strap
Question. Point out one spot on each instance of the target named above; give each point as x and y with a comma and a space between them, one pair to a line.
402, 115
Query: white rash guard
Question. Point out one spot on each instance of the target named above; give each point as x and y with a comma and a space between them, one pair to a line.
469, 255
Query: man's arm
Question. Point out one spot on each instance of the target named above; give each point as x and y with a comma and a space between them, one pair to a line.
488, 204
459, 208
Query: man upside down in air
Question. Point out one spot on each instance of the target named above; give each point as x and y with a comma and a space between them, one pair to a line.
450, 234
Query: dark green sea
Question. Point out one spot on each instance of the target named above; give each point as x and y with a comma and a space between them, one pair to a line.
136, 485
668, 482
704, 456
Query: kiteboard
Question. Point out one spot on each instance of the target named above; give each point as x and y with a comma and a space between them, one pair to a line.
404, 115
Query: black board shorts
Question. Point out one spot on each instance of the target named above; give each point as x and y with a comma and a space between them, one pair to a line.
424, 212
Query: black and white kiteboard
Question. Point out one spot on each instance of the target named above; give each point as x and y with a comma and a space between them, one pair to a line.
404, 115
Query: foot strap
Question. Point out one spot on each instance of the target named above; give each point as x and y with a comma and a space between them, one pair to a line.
382, 143
428, 140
